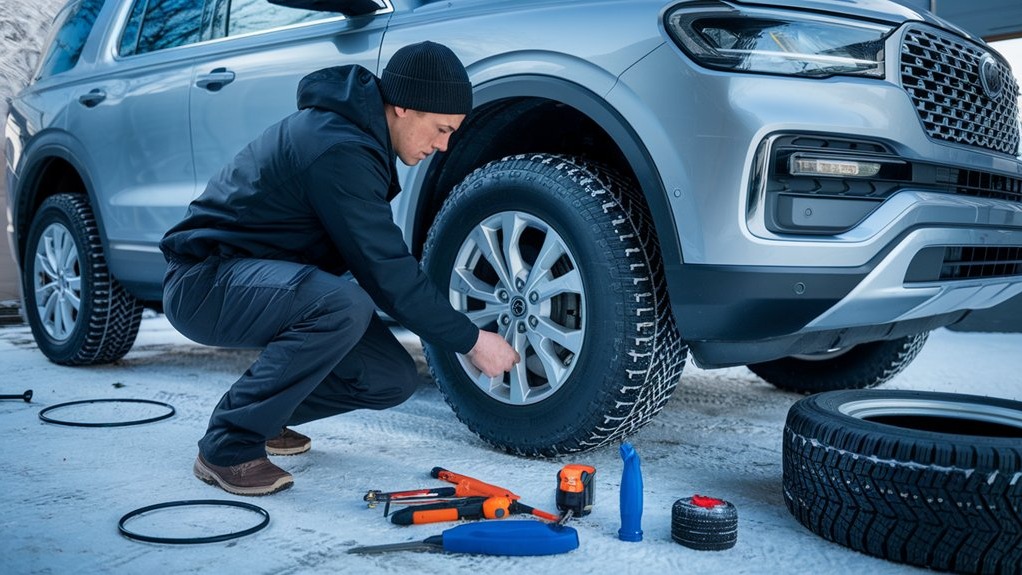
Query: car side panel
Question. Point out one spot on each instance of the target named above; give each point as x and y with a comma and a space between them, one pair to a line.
137, 144
267, 68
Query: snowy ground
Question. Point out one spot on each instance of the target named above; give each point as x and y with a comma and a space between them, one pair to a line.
65, 488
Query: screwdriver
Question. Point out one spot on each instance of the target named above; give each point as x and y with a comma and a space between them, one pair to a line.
523, 537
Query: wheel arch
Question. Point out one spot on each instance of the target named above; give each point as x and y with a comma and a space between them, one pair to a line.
54, 169
534, 113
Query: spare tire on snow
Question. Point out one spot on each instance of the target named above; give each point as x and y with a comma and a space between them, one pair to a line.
931, 479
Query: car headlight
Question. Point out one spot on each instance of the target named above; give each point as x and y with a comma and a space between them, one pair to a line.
722, 37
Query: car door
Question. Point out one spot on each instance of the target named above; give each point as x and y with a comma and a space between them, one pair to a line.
131, 119
248, 78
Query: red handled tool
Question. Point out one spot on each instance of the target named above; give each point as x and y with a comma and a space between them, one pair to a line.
464, 486
470, 485
374, 497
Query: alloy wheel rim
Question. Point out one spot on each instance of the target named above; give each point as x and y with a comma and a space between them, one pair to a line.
892, 408
57, 282
514, 274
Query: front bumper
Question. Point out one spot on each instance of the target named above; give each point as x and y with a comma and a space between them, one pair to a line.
748, 290
736, 315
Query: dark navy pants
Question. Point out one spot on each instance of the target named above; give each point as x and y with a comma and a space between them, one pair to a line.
325, 351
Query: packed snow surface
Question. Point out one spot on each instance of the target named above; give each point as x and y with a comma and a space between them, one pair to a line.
65, 488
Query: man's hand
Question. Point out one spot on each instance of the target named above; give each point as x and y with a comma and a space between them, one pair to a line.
492, 355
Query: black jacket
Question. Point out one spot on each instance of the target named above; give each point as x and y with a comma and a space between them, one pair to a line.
315, 189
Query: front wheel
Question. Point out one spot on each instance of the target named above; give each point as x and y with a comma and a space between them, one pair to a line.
857, 367
78, 312
558, 256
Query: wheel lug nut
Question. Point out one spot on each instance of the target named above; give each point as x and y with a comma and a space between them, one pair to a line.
519, 283
533, 321
502, 295
521, 328
505, 319
533, 297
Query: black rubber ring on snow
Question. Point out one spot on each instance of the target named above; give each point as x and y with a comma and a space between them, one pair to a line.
193, 540
43, 416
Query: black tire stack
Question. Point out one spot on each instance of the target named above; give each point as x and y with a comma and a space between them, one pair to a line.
704, 523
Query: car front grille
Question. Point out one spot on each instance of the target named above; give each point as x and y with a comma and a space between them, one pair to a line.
941, 73
971, 262
980, 184
950, 263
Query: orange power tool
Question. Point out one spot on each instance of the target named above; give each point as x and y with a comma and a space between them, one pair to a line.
575, 493
470, 486
473, 486
477, 500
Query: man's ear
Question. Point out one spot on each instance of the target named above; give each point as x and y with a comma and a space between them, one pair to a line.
400, 112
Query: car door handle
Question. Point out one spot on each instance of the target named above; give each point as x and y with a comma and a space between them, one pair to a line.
95, 96
216, 79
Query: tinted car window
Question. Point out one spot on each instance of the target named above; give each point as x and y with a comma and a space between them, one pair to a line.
70, 31
246, 16
160, 24
129, 37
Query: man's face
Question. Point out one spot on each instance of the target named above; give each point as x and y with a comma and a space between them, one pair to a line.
416, 134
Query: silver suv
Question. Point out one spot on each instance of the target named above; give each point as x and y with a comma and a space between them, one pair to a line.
805, 187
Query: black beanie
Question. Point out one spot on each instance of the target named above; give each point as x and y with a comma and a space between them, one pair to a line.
427, 77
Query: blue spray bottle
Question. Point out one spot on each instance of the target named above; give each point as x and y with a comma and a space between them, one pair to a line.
631, 495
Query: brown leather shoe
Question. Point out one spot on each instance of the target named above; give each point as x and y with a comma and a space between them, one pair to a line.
256, 477
289, 442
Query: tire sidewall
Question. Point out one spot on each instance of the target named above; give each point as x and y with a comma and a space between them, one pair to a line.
553, 203
56, 211
903, 445
942, 500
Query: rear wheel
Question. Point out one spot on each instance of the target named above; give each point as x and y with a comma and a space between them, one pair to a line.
858, 367
79, 314
558, 256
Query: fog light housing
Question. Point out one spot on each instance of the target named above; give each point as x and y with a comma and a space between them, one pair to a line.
802, 165
820, 215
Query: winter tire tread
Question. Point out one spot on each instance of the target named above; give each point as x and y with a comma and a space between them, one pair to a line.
109, 320
940, 500
864, 366
653, 354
